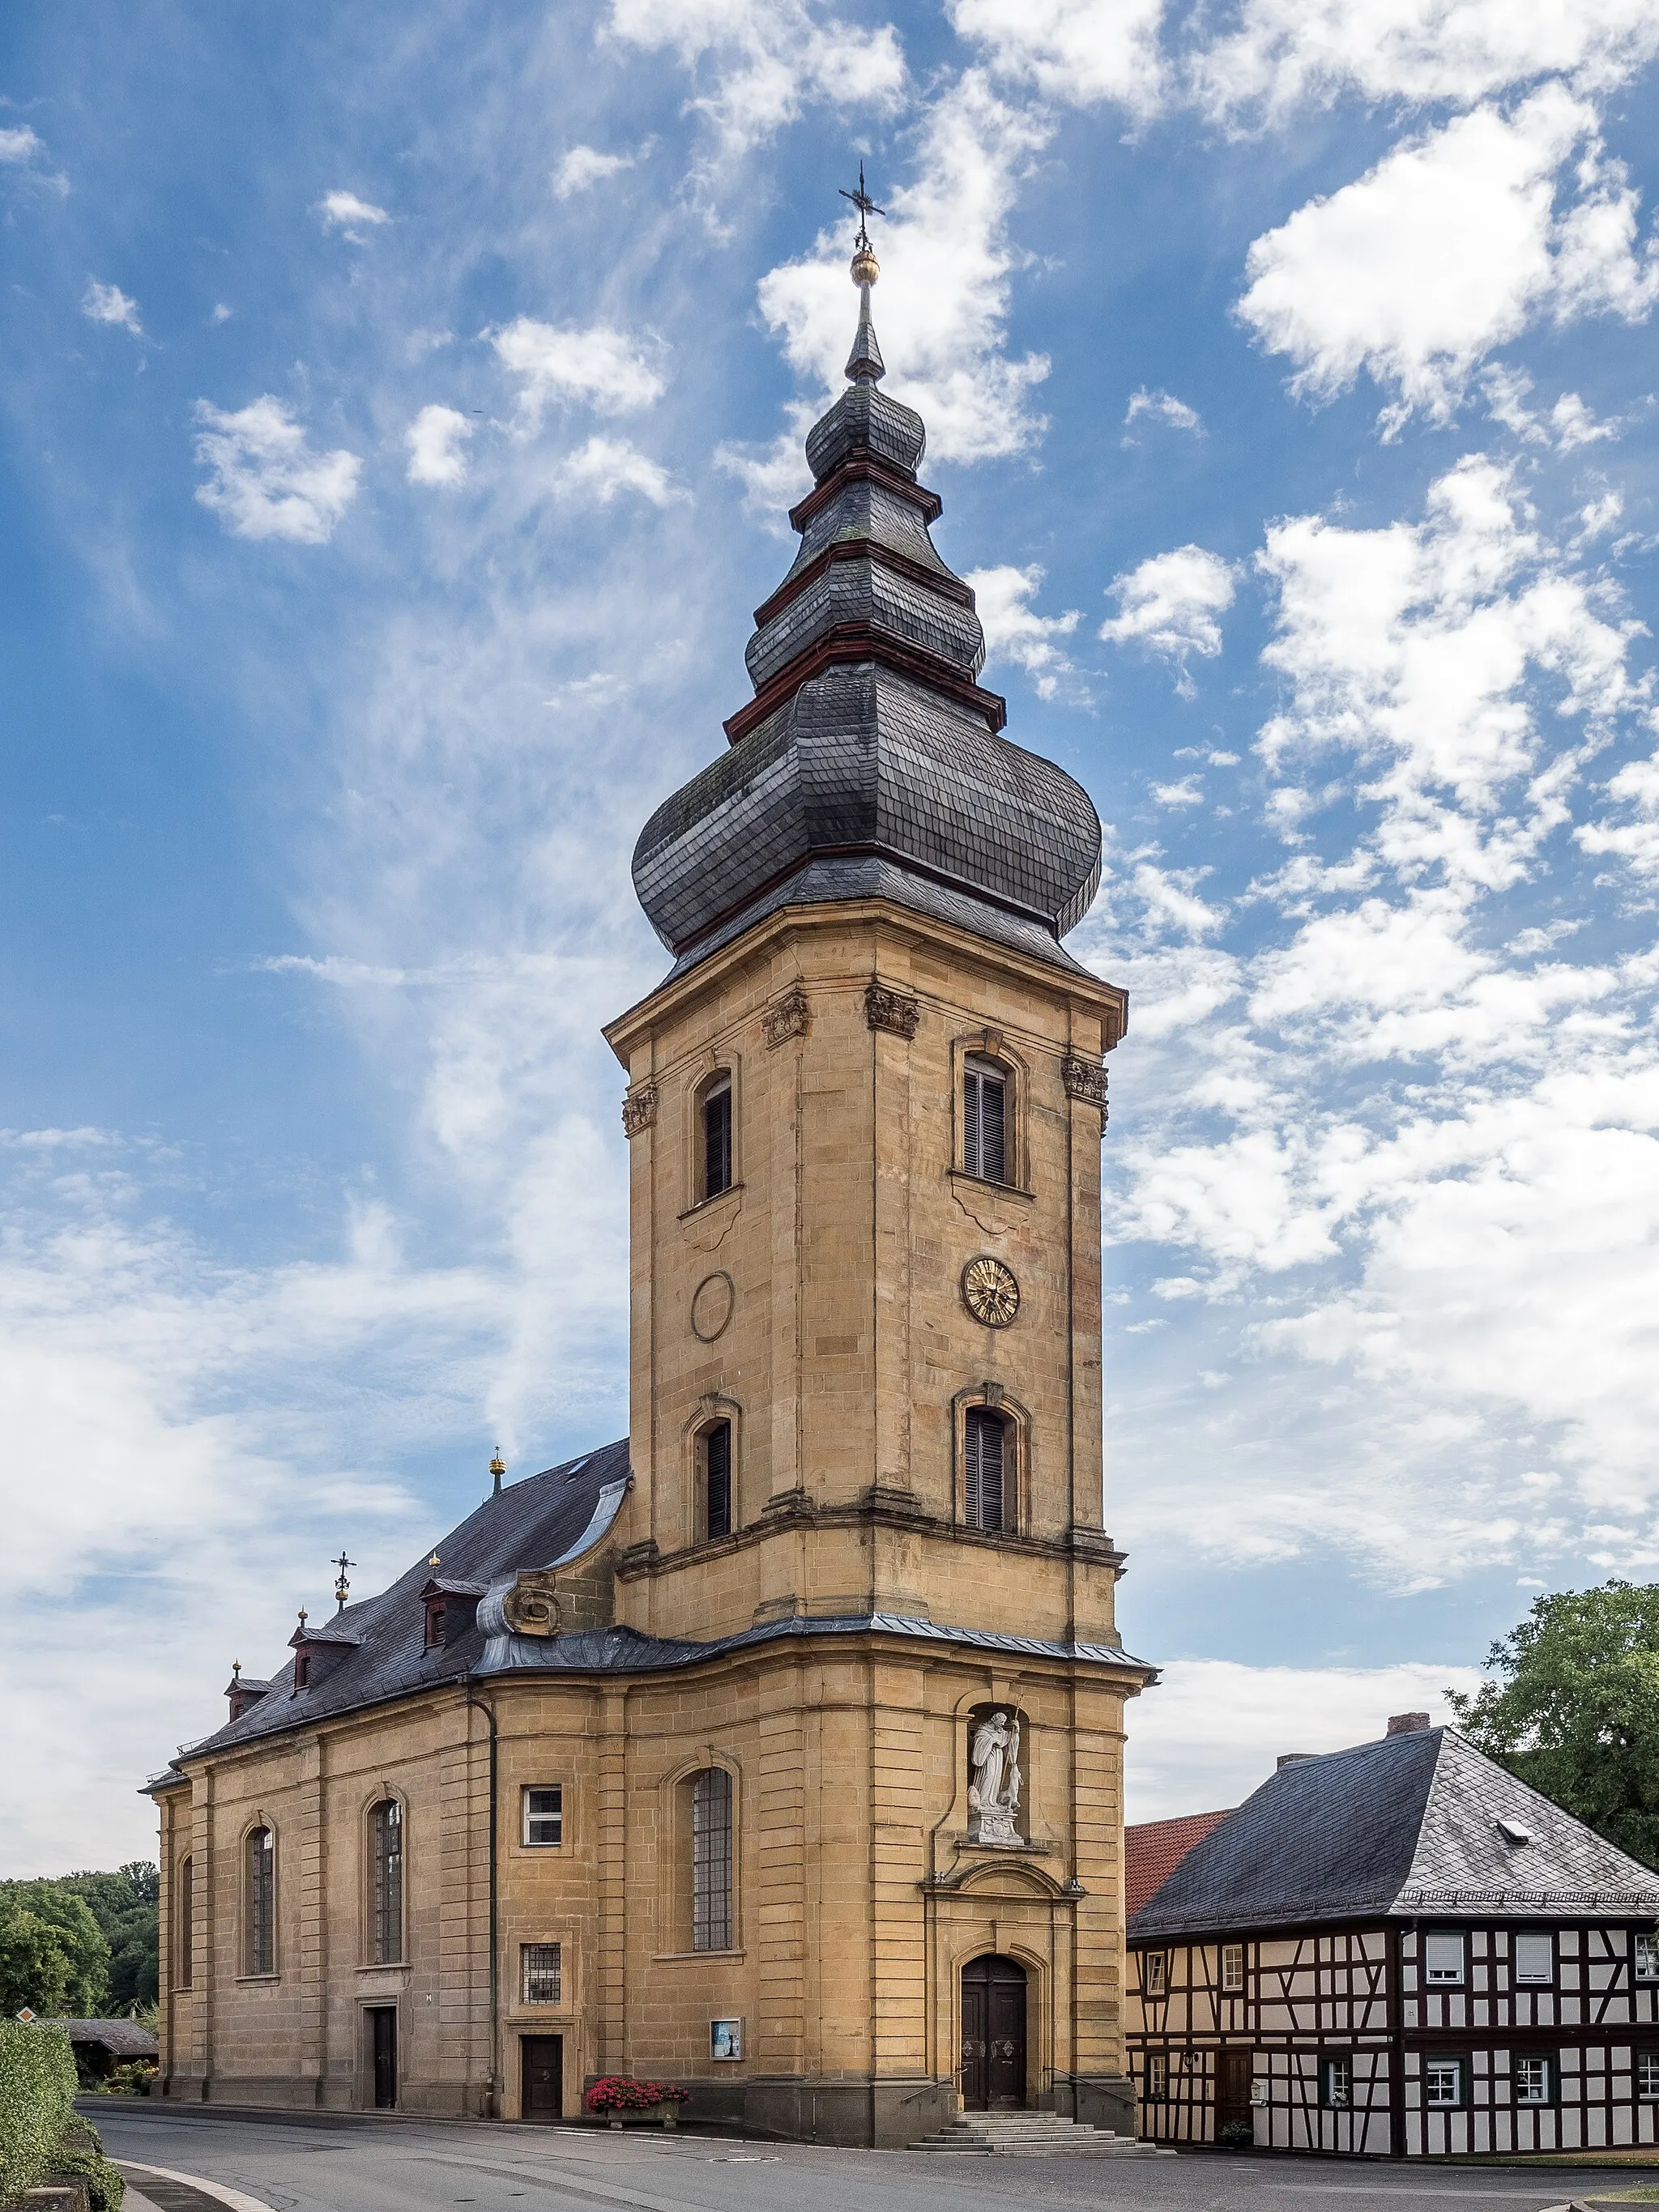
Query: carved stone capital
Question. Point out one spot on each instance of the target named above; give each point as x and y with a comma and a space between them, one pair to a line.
638, 1108
789, 1016
1085, 1079
885, 1009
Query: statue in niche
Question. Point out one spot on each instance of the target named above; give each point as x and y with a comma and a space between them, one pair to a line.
994, 1788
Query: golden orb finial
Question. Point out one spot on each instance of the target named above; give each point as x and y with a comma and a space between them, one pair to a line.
866, 267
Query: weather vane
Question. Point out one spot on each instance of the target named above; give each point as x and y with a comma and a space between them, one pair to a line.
342, 1587
865, 206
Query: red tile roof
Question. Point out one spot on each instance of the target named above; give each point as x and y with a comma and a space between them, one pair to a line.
1152, 1850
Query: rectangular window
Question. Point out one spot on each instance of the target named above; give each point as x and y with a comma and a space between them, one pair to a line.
1157, 1971
1157, 2075
1442, 2082
541, 1973
985, 1439
544, 1817
1646, 1958
1647, 2074
1531, 2081
717, 1478
717, 1141
985, 1120
1443, 1956
1336, 2083
1533, 1959
1232, 1969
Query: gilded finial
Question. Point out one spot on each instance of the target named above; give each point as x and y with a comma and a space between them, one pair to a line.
866, 267
342, 1587
498, 1468
433, 1561
303, 1616
235, 1670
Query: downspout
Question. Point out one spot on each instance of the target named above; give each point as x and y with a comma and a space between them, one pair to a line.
488, 1712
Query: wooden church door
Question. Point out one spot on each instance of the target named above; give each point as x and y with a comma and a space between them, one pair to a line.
993, 2035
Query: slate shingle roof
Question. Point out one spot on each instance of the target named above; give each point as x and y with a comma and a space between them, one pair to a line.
1393, 1829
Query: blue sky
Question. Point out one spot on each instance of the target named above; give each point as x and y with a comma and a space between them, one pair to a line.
400, 408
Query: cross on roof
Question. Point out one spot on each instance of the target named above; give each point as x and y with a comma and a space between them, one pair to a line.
865, 206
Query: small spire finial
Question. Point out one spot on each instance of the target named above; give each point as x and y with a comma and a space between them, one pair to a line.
866, 267
303, 1616
235, 1670
342, 1587
433, 1560
498, 1468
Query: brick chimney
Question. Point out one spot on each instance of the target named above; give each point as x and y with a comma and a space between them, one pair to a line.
1407, 1723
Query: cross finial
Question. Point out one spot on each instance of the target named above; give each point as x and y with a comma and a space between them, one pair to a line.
342, 1587
865, 206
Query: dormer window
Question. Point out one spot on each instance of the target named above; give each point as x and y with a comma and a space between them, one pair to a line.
303, 1670
985, 1120
717, 1137
436, 1606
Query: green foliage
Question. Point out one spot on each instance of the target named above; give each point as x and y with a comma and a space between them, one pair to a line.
37, 2096
79, 2151
135, 2077
53, 1957
127, 1906
1575, 1713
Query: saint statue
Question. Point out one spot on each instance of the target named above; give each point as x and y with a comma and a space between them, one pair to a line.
994, 1788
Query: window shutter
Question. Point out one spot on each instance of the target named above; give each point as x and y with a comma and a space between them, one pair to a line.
717, 1142
985, 1115
717, 1455
983, 1454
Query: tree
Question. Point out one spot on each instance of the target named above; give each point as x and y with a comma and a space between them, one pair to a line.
1575, 1713
127, 1906
42, 1963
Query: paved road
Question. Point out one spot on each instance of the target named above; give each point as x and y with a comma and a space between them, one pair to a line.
330, 2165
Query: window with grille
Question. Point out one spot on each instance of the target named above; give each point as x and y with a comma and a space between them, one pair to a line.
717, 1139
717, 1478
987, 1487
985, 1120
1443, 1956
711, 1861
1157, 2076
540, 1971
1531, 2080
1336, 2083
1646, 1958
543, 1817
184, 1944
1232, 1969
1442, 2082
1647, 2074
261, 1902
1533, 1959
385, 1831
1156, 1972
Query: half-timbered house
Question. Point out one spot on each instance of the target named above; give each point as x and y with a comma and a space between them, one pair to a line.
1398, 1951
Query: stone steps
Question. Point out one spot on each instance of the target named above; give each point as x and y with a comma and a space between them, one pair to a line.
1032, 2134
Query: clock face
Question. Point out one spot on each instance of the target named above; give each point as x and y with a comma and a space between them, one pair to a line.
990, 1291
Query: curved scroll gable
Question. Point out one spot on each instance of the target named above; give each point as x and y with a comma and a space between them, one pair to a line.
573, 1591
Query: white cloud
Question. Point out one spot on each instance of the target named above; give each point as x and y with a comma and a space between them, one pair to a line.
584, 167
942, 305
1637, 839
345, 212
265, 481
1213, 1729
768, 59
108, 303
18, 143
1162, 407
1189, 791
220, 313
1287, 52
1170, 604
1079, 51
1015, 631
605, 466
1444, 251
435, 439
1568, 425
602, 366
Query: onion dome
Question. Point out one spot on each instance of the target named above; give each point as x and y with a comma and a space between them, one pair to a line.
869, 762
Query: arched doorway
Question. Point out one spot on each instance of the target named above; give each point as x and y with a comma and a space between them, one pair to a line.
993, 2035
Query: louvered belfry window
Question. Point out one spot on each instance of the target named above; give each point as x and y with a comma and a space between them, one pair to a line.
717, 1478
261, 1902
717, 1139
711, 1861
985, 1120
385, 1822
985, 1455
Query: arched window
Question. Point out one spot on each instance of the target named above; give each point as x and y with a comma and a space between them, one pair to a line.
385, 1831
714, 1452
988, 1470
985, 1119
711, 1860
261, 1879
717, 1136
184, 1942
